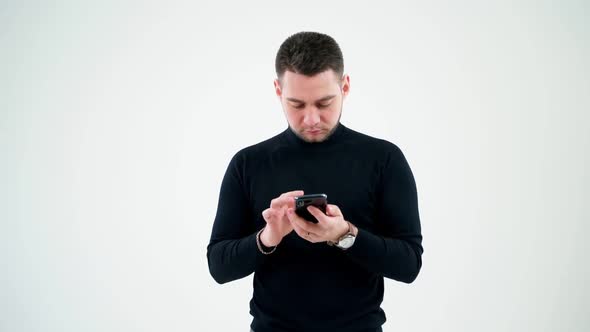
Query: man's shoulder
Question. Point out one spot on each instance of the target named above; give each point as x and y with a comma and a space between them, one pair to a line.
373, 143
261, 148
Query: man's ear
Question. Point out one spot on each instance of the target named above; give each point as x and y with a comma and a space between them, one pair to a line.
277, 85
345, 85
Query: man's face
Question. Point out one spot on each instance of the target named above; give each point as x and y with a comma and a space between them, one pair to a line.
312, 104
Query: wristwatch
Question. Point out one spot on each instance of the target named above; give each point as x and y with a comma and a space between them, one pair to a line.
346, 241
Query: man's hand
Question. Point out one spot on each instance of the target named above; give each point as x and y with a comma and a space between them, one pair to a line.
330, 227
277, 223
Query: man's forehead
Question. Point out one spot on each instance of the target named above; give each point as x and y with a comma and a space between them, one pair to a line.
301, 88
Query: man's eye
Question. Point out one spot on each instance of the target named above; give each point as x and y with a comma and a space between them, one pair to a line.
302, 106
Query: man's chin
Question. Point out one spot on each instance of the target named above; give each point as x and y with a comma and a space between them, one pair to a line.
311, 138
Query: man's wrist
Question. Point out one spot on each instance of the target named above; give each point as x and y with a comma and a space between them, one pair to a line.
265, 241
261, 247
350, 228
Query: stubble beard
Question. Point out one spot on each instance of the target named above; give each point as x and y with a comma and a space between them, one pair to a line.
332, 130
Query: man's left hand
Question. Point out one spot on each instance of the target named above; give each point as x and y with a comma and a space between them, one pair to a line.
330, 227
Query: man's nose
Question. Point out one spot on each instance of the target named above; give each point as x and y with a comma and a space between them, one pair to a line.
312, 117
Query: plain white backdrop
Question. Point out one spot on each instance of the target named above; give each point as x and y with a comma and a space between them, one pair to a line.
118, 119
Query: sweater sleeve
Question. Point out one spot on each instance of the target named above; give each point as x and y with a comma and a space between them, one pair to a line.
232, 252
396, 252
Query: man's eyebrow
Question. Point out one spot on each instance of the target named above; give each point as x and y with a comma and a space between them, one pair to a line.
319, 100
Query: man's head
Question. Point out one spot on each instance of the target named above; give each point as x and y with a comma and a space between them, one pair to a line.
310, 84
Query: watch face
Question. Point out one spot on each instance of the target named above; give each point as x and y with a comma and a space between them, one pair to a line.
346, 242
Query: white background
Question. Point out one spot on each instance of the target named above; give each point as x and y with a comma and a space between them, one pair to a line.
118, 120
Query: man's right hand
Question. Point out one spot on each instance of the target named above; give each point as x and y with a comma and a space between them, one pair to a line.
277, 223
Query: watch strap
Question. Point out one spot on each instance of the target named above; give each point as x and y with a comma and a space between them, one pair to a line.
332, 243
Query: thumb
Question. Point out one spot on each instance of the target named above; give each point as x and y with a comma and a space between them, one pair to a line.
333, 210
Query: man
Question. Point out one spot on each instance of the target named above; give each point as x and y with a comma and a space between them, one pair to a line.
307, 276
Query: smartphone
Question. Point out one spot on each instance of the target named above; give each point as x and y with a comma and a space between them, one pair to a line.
302, 202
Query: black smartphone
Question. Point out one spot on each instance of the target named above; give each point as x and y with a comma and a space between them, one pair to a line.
302, 202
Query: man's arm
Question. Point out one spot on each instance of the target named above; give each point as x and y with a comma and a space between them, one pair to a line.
396, 252
232, 252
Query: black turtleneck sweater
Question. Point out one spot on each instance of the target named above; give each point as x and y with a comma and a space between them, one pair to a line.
305, 286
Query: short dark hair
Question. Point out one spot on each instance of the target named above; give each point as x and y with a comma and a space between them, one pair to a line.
309, 53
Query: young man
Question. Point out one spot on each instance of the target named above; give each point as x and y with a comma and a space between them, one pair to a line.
325, 276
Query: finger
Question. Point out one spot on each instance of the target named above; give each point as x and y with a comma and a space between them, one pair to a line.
292, 193
300, 222
285, 199
298, 229
268, 215
289, 197
275, 203
317, 213
333, 210
279, 202
302, 232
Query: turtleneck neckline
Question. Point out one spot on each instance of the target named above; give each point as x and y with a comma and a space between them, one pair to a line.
336, 136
